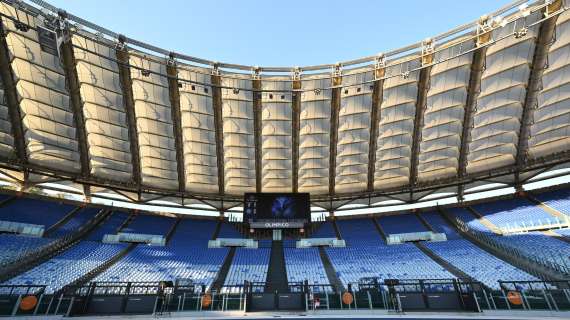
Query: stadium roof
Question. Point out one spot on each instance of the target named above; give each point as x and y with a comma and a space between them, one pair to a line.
481, 104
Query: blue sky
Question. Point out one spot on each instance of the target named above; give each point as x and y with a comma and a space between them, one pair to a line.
284, 33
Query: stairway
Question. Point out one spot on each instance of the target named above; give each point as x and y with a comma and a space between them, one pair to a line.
62, 221
7, 200
172, 230
277, 273
336, 229
555, 213
446, 265
509, 255
379, 229
43, 254
488, 224
86, 278
330, 271
127, 221
217, 230
425, 222
223, 272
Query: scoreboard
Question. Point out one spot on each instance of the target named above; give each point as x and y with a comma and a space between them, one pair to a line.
277, 210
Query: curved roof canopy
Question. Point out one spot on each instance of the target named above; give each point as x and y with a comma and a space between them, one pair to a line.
483, 103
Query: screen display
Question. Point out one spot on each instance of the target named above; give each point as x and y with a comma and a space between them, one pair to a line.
277, 206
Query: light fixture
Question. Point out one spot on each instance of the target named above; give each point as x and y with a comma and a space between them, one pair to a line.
524, 10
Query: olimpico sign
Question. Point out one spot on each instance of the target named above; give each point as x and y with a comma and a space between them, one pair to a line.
276, 224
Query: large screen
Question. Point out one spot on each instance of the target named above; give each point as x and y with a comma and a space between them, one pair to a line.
277, 208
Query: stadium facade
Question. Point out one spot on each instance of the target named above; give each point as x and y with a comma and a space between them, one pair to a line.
479, 105
92, 113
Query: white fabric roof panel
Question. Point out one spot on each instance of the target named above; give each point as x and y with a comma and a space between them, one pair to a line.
103, 110
276, 139
314, 136
444, 113
6, 139
354, 133
550, 125
496, 120
49, 129
198, 132
395, 129
154, 122
239, 144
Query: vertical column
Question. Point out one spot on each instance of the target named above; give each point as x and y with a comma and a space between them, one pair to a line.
375, 115
72, 80
423, 86
477, 67
12, 98
296, 122
335, 107
545, 38
126, 83
174, 95
257, 126
218, 122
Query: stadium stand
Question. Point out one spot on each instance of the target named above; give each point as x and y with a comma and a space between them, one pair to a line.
403, 223
110, 226
227, 230
439, 225
250, 265
15, 246
68, 266
368, 256
305, 264
185, 257
513, 212
324, 230
85, 108
79, 219
403, 261
558, 199
461, 253
148, 224
26, 210
535, 244
359, 232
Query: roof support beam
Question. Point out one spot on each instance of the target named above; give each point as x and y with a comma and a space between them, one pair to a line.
375, 115
87, 192
174, 95
12, 98
423, 86
421, 101
545, 37
335, 107
122, 54
296, 125
69, 65
477, 67
219, 124
257, 128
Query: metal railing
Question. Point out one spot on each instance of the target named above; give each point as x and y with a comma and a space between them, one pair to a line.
367, 295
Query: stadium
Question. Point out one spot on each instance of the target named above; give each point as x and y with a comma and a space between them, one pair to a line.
429, 180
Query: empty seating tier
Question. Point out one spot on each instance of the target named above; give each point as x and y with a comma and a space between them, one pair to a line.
41, 212
305, 264
68, 266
